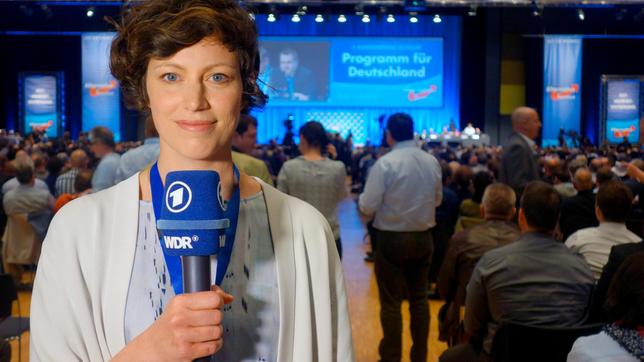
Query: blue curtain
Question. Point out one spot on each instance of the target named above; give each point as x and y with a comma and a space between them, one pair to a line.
360, 121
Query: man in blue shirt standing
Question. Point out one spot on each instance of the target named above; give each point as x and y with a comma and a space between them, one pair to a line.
136, 159
403, 190
102, 146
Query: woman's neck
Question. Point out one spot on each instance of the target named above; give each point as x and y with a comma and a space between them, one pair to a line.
223, 166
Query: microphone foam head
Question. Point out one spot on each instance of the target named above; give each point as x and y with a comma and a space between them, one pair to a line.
192, 215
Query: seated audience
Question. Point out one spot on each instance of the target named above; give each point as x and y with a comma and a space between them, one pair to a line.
40, 165
613, 205
535, 280
623, 339
244, 140
618, 254
65, 182
462, 182
82, 185
636, 172
632, 182
578, 212
315, 178
468, 246
562, 184
14, 183
471, 207
54, 167
604, 174
446, 216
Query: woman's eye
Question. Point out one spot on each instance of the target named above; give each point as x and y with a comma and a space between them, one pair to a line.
170, 77
219, 77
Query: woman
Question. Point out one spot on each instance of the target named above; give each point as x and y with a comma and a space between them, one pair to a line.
103, 290
315, 178
623, 340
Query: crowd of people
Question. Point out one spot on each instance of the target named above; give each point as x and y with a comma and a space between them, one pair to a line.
496, 214
510, 233
519, 234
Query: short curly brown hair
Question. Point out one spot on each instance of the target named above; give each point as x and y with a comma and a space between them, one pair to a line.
161, 28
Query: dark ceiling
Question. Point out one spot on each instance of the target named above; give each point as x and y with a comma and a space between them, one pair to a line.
516, 16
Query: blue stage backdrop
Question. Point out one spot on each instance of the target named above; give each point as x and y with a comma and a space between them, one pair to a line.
622, 110
40, 103
101, 95
347, 80
562, 86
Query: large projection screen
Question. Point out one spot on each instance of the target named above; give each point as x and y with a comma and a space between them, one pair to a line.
622, 113
352, 71
41, 102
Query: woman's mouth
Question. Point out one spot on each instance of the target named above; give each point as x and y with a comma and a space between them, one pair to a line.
195, 126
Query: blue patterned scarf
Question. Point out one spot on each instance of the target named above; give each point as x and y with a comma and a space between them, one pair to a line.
629, 339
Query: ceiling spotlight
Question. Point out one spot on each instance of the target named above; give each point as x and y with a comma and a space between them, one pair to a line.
437, 19
472, 11
390, 18
90, 12
581, 15
342, 18
319, 18
412, 17
296, 18
365, 18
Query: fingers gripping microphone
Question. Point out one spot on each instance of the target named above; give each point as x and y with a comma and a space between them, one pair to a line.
191, 224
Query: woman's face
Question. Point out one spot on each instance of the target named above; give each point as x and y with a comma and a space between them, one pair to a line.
195, 98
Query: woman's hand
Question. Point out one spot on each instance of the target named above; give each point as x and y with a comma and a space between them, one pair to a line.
189, 328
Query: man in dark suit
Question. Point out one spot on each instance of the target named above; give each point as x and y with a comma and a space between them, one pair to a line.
519, 159
618, 254
293, 81
578, 212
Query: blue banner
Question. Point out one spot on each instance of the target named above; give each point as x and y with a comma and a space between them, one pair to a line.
562, 86
101, 96
40, 102
622, 110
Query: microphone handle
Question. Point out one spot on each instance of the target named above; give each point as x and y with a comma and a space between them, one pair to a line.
196, 273
196, 278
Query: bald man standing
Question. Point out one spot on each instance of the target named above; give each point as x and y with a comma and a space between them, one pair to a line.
578, 212
519, 158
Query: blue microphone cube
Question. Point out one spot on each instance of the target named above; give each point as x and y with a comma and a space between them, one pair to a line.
192, 220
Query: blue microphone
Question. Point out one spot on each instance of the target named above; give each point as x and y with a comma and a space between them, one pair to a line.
192, 224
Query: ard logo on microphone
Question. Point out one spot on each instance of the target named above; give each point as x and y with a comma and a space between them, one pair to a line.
178, 197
